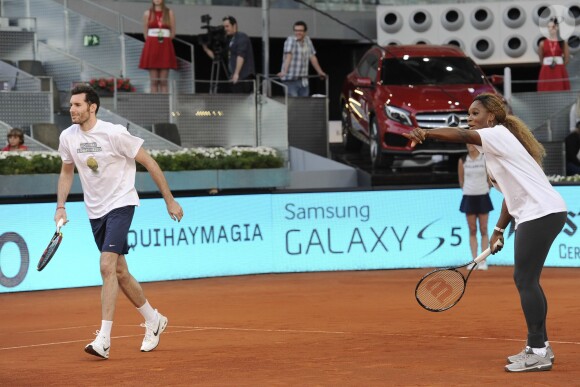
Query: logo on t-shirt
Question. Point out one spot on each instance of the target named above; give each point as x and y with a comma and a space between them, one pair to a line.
93, 164
88, 147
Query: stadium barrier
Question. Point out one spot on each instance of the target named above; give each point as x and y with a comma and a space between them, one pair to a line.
265, 233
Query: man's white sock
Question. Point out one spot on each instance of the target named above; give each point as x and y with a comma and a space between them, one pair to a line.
148, 313
106, 327
540, 351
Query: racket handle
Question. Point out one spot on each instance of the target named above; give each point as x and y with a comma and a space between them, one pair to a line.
59, 224
485, 253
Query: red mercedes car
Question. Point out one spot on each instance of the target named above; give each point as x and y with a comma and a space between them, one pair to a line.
396, 88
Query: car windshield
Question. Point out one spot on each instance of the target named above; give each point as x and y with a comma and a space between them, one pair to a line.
430, 70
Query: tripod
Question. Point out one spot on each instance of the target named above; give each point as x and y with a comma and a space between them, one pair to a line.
217, 66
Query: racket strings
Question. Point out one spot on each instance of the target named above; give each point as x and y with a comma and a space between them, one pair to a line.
49, 252
53, 245
441, 289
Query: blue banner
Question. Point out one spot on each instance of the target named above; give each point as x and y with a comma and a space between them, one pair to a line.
269, 233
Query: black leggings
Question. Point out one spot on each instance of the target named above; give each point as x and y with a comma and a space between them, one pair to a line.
532, 244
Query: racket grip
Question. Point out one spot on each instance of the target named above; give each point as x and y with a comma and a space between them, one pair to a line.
59, 224
485, 253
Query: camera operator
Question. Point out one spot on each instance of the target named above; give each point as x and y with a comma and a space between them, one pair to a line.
240, 56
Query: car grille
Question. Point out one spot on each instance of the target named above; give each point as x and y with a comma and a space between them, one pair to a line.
436, 120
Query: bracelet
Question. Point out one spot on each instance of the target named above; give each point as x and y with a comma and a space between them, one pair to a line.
499, 229
59, 207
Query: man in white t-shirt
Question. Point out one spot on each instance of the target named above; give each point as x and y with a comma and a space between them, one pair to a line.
513, 160
104, 155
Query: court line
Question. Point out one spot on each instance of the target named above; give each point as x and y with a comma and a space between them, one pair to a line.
185, 329
85, 340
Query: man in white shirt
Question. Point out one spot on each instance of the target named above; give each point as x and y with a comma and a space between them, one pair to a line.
104, 155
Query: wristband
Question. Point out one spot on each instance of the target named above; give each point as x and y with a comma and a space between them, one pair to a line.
499, 229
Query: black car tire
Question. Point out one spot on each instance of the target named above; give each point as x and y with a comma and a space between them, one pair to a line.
378, 158
349, 141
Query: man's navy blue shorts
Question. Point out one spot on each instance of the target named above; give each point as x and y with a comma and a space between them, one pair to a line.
111, 230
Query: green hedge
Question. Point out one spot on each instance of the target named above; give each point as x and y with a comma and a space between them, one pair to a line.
189, 159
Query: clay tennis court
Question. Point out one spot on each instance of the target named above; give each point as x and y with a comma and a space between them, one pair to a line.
311, 329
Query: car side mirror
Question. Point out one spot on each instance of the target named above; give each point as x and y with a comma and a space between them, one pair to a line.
496, 79
363, 82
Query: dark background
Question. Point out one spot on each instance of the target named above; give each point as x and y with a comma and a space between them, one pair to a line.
337, 58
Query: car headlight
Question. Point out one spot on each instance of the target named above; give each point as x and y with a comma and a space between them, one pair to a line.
399, 115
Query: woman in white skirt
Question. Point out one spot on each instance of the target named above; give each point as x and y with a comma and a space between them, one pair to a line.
475, 203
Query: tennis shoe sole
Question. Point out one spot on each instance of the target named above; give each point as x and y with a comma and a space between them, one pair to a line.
99, 347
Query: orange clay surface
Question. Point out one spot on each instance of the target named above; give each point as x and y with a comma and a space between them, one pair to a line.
311, 329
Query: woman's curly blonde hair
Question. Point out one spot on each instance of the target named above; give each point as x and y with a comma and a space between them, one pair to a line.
516, 126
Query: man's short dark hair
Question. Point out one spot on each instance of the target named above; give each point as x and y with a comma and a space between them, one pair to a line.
231, 19
301, 23
91, 96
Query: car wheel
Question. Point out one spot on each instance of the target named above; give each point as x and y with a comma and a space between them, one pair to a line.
350, 142
378, 158
375, 147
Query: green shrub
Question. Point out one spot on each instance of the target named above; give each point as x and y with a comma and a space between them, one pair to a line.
187, 159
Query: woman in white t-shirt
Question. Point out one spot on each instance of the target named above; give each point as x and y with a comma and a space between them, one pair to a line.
513, 160
475, 204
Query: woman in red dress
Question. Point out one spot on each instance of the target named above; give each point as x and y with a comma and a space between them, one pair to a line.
554, 56
158, 55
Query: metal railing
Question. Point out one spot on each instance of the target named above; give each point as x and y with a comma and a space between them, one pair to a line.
31, 143
115, 53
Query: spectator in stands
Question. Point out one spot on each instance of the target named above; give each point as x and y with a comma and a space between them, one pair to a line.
554, 56
241, 57
158, 55
15, 141
104, 155
475, 203
513, 160
298, 52
573, 152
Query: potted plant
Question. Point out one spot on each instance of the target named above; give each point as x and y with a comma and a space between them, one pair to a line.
185, 169
109, 85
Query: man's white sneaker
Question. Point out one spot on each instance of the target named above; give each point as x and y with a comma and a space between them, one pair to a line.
152, 333
482, 265
99, 347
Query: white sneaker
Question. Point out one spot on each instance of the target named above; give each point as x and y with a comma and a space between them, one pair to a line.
470, 266
152, 333
482, 265
522, 355
99, 347
530, 362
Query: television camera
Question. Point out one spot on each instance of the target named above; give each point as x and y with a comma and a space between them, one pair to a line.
215, 38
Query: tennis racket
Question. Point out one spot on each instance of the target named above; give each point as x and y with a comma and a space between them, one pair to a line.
441, 289
52, 247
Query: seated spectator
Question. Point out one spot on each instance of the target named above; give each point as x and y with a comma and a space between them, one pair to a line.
573, 152
15, 141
